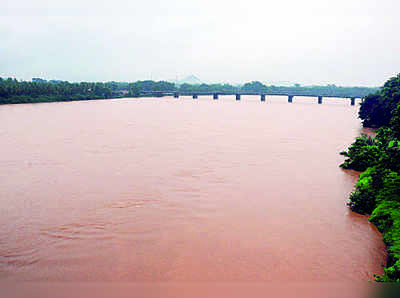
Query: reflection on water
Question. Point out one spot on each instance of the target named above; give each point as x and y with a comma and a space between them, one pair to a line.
180, 190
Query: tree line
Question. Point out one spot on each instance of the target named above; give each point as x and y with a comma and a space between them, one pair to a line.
377, 191
258, 87
14, 91
39, 90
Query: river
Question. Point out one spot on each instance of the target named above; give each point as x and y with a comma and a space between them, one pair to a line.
181, 190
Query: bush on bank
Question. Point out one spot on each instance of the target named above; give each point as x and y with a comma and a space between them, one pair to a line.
377, 191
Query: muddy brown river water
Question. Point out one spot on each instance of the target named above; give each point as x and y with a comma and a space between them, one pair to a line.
167, 190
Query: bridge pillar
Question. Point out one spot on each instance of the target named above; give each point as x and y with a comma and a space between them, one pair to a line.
290, 98
237, 96
319, 99
176, 95
194, 96
215, 95
262, 97
353, 101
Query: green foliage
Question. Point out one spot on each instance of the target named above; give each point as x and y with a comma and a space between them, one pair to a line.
152, 86
39, 90
258, 87
363, 153
395, 122
371, 111
377, 109
378, 189
384, 135
254, 87
208, 88
378, 192
390, 189
328, 90
390, 156
363, 198
386, 217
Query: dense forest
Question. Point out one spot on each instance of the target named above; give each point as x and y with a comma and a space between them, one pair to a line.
39, 90
377, 192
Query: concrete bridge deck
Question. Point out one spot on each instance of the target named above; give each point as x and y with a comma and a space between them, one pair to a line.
238, 95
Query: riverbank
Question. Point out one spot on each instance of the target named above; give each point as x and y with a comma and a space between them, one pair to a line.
377, 192
41, 99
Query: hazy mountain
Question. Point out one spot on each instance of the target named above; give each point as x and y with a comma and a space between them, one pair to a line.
192, 79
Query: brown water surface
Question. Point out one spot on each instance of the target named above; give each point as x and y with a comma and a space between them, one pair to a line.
166, 190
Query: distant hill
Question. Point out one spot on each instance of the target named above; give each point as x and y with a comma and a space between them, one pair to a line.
192, 80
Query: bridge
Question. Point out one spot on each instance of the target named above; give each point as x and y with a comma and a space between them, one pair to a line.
238, 95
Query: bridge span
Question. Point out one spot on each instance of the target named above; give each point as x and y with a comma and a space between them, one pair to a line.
238, 95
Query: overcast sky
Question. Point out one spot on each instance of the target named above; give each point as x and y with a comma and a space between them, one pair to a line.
343, 42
